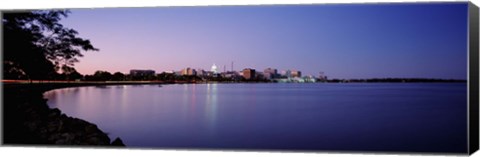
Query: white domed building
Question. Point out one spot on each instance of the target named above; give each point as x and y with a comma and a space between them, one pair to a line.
214, 69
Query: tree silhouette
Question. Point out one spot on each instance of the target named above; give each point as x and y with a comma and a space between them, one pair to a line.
118, 76
37, 46
102, 75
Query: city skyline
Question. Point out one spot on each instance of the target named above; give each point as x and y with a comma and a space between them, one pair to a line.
343, 41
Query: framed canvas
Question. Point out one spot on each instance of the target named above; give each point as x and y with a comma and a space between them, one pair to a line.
359, 77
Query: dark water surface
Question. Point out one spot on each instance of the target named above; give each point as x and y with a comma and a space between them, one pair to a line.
359, 117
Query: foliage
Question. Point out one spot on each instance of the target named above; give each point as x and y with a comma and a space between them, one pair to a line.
37, 46
102, 75
118, 76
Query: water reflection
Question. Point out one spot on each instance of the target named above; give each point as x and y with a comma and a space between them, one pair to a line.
101, 86
123, 104
193, 100
211, 107
185, 99
266, 116
59, 94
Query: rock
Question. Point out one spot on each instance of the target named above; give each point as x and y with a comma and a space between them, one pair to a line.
63, 116
43, 131
29, 111
90, 129
118, 142
60, 126
52, 127
93, 141
61, 141
55, 137
68, 137
55, 126
54, 113
31, 125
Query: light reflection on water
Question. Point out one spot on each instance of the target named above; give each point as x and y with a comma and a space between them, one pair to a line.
394, 117
211, 106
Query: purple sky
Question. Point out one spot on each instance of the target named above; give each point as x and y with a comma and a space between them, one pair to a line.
344, 41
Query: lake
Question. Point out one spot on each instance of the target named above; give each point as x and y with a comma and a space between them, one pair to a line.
413, 117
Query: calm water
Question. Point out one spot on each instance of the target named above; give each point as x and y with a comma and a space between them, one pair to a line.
368, 117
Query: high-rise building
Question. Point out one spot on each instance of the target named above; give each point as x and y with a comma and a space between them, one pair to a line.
270, 73
191, 72
201, 72
184, 71
248, 73
188, 71
296, 73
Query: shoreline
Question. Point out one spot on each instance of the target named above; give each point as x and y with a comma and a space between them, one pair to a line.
105, 83
28, 120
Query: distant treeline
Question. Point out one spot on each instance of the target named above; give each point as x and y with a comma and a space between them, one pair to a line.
399, 80
164, 77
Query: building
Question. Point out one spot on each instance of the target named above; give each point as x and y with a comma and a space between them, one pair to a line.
248, 73
169, 72
232, 75
214, 69
184, 71
296, 73
188, 72
191, 72
309, 79
287, 73
177, 73
270, 73
201, 72
259, 74
141, 73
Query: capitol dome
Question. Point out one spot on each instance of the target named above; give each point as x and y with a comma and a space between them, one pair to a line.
214, 68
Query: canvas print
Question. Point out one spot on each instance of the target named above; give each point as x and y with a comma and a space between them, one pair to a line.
323, 77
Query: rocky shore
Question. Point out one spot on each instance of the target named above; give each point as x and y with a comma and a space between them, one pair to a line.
27, 120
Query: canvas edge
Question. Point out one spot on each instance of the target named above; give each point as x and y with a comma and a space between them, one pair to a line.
473, 80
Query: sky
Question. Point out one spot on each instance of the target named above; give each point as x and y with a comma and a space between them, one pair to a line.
420, 40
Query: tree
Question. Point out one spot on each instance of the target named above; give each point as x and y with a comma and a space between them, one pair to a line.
166, 76
38, 46
118, 76
70, 73
102, 76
